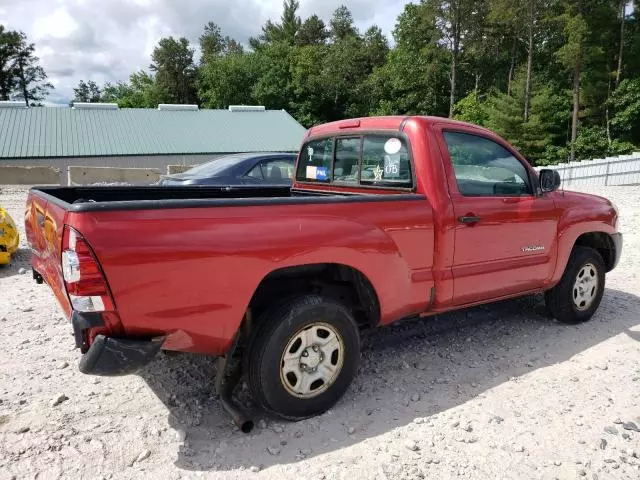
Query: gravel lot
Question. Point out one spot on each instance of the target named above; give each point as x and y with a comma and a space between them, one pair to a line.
500, 391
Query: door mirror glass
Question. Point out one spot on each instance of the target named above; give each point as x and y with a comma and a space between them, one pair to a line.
549, 180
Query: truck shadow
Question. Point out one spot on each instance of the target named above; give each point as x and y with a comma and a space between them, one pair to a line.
415, 369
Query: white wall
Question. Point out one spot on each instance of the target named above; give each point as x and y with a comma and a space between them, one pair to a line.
621, 170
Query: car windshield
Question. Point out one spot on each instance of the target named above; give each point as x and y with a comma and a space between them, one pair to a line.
215, 167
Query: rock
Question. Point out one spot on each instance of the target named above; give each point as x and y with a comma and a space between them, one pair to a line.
611, 430
181, 435
411, 445
273, 451
497, 419
557, 463
59, 399
418, 420
406, 366
23, 430
63, 365
618, 421
630, 426
602, 366
22, 271
467, 427
27, 309
298, 434
626, 436
306, 452
519, 448
262, 424
351, 430
415, 397
455, 424
582, 472
254, 469
420, 366
278, 428
143, 455
603, 444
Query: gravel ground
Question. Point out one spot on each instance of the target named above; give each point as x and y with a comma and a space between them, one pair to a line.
499, 391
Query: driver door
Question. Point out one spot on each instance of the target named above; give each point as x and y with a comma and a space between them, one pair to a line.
505, 233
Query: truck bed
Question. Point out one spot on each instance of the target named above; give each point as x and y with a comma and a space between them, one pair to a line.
88, 198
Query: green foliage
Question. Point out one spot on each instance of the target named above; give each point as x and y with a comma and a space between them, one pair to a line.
321, 71
87, 92
175, 71
227, 80
626, 103
470, 109
21, 76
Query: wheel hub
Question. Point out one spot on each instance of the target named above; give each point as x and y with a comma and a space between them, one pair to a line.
310, 358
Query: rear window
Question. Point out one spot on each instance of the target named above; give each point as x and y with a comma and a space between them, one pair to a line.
371, 159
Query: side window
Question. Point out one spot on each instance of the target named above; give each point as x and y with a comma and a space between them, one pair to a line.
345, 167
385, 160
255, 172
315, 162
277, 170
485, 168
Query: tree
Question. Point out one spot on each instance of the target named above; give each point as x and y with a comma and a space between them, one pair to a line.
626, 103
341, 25
31, 83
455, 18
286, 31
623, 5
87, 92
211, 42
9, 44
312, 32
175, 71
228, 80
413, 79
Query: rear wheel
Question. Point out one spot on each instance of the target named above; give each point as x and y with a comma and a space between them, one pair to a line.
302, 357
576, 298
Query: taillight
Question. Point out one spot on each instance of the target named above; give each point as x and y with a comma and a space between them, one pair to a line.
86, 285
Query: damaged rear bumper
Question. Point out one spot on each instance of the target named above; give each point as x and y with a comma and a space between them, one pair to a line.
111, 356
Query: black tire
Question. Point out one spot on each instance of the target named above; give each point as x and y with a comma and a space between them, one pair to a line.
560, 299
276, 328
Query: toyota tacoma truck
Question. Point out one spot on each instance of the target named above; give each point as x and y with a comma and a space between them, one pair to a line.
387, 218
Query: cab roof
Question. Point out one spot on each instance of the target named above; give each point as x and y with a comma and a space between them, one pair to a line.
393, 122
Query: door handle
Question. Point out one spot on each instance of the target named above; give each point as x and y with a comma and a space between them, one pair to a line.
469, 219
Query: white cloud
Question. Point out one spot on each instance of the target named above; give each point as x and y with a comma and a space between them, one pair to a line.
107, 40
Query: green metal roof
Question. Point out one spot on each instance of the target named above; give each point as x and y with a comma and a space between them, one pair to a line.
65, 132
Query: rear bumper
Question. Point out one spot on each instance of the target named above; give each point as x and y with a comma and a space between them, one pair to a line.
110, 356
617, 243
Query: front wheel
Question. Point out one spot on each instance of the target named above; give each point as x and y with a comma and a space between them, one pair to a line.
303, 357
576, 298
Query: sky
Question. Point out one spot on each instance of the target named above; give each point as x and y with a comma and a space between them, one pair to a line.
106, 40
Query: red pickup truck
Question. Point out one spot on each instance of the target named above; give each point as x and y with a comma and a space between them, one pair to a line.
387, 218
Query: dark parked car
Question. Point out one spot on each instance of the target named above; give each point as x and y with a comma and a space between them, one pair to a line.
243, 168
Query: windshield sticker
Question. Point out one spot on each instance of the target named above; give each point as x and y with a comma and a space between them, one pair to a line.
322, 173
392, 166
312, 172
392, 146
377, 173
310, 152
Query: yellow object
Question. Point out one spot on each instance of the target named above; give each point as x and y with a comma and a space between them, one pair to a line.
9, 237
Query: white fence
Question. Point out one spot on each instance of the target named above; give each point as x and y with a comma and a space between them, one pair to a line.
622, 170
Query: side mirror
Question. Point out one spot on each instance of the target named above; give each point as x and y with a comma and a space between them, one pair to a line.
549, 180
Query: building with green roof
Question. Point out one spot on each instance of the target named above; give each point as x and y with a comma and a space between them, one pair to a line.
104, 135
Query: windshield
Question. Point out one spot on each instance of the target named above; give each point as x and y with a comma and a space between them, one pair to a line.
217, 166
